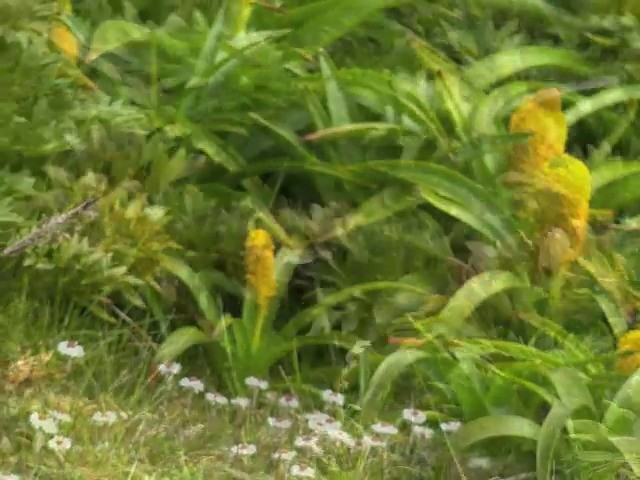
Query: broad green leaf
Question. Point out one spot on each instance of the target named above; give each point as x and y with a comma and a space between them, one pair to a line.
630, 449
603, 99
549, 435
615, 315
539, 10
499, 66
113, 34
307, 315
458, 196
191, 279
336, 101
615, 184
471, 295
383, 377
627, 397
494, 426
572, 388
179, 341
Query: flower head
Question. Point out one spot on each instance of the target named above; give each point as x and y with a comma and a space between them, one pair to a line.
45, 423
192, 383
259, 260
104, 418
373, 441
420, 431
241, 402
479, 463
301, 471
280, 423
329, 396
289, 401
451, 426
59, 443
341, 436
384, 428
256, 384
243, 449
60, 416
169, 369
9, 476
216, 398
411, 415
71, 349
629, 348
284, 455
308, 442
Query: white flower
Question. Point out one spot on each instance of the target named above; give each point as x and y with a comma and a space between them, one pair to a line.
104, 418
243, 449
289, 401
216, 398
329, 396
9, 476
46, 424
256, 384
411, 415
324, 425
384, 428
59, 416
281, 423
169, 369
192, 383
480, 463
59, 443
371, 441
317, 416
450, 427
308, 442
284, 455
342, 437
242, 402
302, 471
422, 432
71, 349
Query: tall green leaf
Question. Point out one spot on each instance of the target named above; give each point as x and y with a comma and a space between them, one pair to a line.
495, 426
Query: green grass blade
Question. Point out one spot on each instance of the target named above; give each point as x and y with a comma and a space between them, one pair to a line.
385, 374
572, 388
179, 341
549, 435
616, 184
499, 66
629, 447
604, 99
627, 398
495, 426
113, 34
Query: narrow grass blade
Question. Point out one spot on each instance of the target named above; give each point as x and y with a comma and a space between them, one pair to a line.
495, 426
549, 435
179, 341
603, 99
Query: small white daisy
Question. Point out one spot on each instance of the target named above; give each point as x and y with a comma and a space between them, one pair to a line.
192, 383
450, 427
60, 416
242, 402
216, 398
342, 437
384, 428
324, 425
308, 442
169, 369
281, 423
256, 384
284, 455
59, 443
243, 449
480, 463
411, 415
104, 418
289, 401
422, 432
317, 416
372, 441
71, 349
9, 476
329, 396
45, 423
301, 471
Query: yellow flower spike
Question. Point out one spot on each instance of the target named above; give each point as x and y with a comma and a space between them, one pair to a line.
629, 344
259, 260
569, 179
64, 40
541, 116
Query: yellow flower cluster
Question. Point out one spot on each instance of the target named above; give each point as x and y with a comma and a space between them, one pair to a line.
259, 261
561, 183
629, 345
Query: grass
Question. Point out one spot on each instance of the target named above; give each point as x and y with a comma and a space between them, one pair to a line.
150, 426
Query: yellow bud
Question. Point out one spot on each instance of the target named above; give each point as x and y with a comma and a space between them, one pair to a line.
64, 40
259, 260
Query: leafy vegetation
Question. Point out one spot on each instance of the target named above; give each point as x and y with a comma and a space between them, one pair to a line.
429, 207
